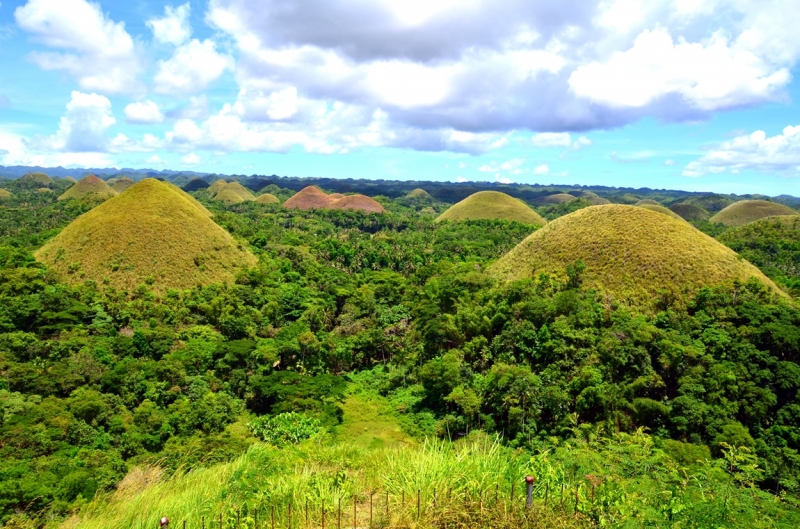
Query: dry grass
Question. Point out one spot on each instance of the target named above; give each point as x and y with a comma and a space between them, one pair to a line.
152, 230
310, 197
746, 211
228, 197
418, 193
492, 205
558, 198
267, 198
239, 189
646, 202
630, 253
660, 209
5, 193
357, 202
217, 186
689, 211
122, 184
38, 179
89, 186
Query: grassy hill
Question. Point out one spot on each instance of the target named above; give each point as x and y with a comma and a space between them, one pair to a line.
310, 197
690, 211
660, 209
239, 189
90, 186
746, 211
630, 253
5, 193
558, 198
36, 180
358, 203
418, 193
492, 205
153, 232
711, 202
217, 186
593, 198
122, 184
267, 198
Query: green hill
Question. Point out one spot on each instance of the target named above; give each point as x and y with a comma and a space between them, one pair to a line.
593, 198
217, 186
492, 205
630, 254
228, 197
746, 211
711, 202
70, 180
690, 211
36, 180
558, 198
152, 230
122, 184
267, 198
660, 209
419, 194
239, 189
89, 186
5, 193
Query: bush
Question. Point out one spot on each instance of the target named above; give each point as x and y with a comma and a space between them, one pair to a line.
286, 428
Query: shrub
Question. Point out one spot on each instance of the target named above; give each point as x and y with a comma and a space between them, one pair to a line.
285, 428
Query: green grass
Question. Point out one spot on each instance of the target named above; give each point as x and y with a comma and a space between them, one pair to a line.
89, 186
153, 232
418, 193
630, 254
647, 201
746, 211
122, 184
369, 422
5, 193
216, 187
660, 209
492, 205
229, 197
690, 211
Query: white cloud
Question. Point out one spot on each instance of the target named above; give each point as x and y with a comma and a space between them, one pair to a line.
581, 142
502, 179
461, 180
83, 128
191, 159
155, 160
100, 54
461, 165
669, 163
192, 68
551, 139
757, 151
706, 76
143, 113
173, 28
198, 108
541, 169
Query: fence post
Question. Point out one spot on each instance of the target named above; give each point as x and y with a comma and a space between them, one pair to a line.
306, 513
418, 510
339, 514
496, 493
203, 522
272, 516
290, 515
529, 484
323, 514
255, 517
370, 508
355, 514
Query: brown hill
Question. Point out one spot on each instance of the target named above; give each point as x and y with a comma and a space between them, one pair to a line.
91, 186
152, 230
357, 202
746, 211
310, 197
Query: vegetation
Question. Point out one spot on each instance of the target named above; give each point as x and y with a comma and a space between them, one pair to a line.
492, 205
622, 260
661, 209
35, 180
89, 187
558, 198
647, 202
152, 234
122, 184
746, 211
689, 212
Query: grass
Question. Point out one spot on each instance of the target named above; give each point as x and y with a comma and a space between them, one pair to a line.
310, 197
647, 201
558, 198
418, 193
369, 422
660, 209
690, 211
5, 193
122, 184
36, 180
228, 197
240, 190
89, 186
217, 186
267, 198
630, 254
492, 205
153, 233
746, 211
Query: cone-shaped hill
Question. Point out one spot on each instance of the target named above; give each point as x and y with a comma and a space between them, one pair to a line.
357, 202
89, 186
689, 211
660, 209
310, 197
419, 194
492, 205
746, 211
217, 186
122, 184
558, 198
70, 180
267, 198
593, 198
239, 189
195, 185
630, 254
152, 230
36, 180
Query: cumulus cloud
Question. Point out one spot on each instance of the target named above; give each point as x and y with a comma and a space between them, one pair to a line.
756, 151
99, 53
173, 28
192, 67
143, 113
552, 139
461, 180
541, 169
191, 159
84, 126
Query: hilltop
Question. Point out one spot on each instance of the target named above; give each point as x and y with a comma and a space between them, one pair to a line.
36, 180
492, 205
267, 198
153, 232
310, 197
558, 198
217, 186
122, 184
358, 203
746, 211
690, 211
630, 254
89, 186
658, 208
419, 194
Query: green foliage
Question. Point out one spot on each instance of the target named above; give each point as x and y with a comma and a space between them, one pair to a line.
284, 428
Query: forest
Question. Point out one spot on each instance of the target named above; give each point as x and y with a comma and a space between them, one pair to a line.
96, 381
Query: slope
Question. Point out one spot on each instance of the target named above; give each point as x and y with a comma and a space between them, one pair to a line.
689, 211
492, 205
89, 186
310, 197
660, 209
152, 230
741, 213
630, 254
267, 198
357, 203
122, 184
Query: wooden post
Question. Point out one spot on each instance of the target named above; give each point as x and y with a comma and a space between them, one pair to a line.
496, 493
239, 518
255, 517
203, 522
306, 512
323, 514
184, 524
290, 515
418, 509
546, 494
272, 516
403, 500
387, 504
355, 514
562, 495
220, 521
339, 514
370, 509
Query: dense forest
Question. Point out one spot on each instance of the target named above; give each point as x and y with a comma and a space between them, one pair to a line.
95, 381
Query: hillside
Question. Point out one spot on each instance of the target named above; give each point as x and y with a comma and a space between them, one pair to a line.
746, 211
630, 253
90, 186
195, 184
492, 205
267, 198
36, 180
153, 230
356, 203
647, 202
558, 198
217, 186
5, 193
122, 184
660, 209
310, 197
239, 189
690, 211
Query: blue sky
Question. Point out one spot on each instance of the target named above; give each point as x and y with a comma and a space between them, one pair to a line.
680, 94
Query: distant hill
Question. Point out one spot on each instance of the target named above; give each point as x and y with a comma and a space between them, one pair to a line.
492, 205
746, 211
660, 209
711, 203
690, 211
630, 254
310, 197
36, 180
267, 198
217, 186
196, 185
4, 193
89, 186
647, 202
358, 203
418, 193
122, 184
153, 232
558, 198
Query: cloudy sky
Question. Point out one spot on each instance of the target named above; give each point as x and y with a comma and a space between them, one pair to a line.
687, 94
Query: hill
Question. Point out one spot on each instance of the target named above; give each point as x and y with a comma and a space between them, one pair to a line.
492, 205
70, 180
239, 189
630, 254
5, 193
647, 202
593, 198
229, 197
122, 184
195, 185
310, 197
89, 186
558, 198
689, 211
36, 180
358, 203
746, 211
711, 202
419, 193
267, 198
217, 186
661, 209
152, 230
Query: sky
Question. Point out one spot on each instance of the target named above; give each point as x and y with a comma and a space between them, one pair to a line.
700, 95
